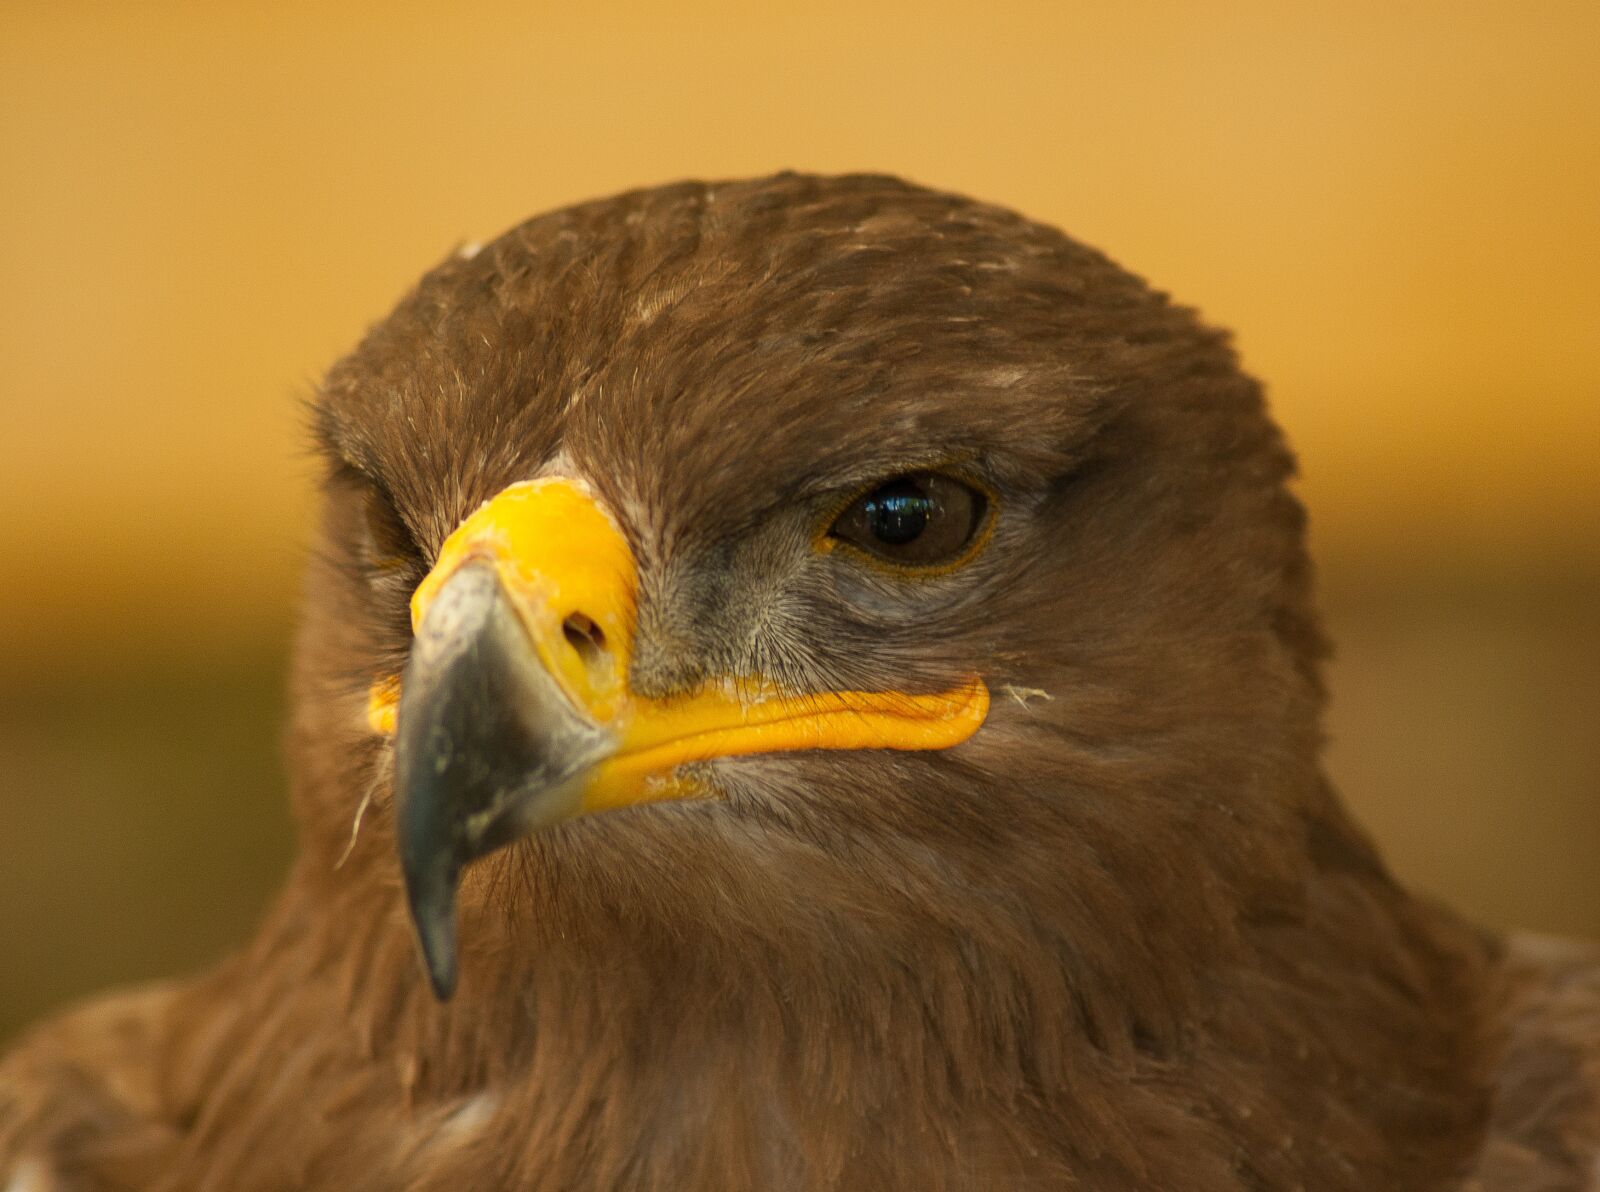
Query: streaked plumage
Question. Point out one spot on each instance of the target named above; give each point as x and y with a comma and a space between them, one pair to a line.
1123, 937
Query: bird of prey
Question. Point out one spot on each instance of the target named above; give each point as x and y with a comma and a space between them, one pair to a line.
813, 683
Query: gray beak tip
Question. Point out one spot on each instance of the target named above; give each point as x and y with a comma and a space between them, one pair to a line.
433, 911
486, 744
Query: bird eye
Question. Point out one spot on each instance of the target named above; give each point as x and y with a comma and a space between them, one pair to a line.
922, 519
389, 542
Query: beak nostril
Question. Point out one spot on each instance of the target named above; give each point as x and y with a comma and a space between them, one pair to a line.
584, 636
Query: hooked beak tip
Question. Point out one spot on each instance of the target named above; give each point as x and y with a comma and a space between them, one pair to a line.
485, 741
433, 911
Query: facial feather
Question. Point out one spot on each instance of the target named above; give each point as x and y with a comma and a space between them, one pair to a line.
1122, 937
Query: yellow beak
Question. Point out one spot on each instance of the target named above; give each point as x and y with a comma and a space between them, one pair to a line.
571, 578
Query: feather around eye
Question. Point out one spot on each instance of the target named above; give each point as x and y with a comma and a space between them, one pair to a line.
922, 522
380, 555
389, 544
379, 534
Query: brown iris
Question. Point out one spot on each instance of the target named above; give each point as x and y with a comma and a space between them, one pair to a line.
921, 519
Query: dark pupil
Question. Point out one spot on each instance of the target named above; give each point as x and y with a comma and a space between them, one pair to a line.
898, 512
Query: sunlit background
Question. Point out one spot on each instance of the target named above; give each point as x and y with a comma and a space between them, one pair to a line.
1395, 205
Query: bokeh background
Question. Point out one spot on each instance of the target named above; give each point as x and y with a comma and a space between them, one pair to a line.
1395, 205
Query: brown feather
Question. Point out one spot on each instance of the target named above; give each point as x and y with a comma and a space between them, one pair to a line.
1123, 938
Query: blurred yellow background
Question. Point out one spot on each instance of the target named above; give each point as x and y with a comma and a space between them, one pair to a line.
1396, 206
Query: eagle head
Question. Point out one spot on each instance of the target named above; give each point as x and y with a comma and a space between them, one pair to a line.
830, 624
